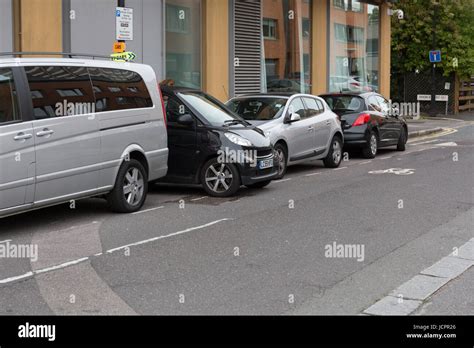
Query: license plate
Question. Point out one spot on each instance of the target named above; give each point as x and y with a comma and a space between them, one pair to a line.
265, 164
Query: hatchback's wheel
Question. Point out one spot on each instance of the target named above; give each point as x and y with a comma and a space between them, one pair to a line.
372, 147
130, 188
334, 157
281, 156
402, 141
260, 184
220, 179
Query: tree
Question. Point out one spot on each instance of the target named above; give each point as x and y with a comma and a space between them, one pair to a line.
412, 36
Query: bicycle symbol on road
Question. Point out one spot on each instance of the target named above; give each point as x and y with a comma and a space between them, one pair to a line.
396, 171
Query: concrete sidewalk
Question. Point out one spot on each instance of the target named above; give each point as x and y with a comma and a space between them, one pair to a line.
433, 125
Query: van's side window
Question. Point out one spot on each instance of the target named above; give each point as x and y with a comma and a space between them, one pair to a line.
8, 98
59, 91
117, 89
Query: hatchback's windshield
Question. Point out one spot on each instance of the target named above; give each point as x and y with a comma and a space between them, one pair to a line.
210, 109
345, 102
258, 109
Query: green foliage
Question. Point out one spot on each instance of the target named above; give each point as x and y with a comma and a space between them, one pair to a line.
412, 37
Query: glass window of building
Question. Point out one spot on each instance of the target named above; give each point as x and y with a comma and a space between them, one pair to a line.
354, 46
286, 45
183, 42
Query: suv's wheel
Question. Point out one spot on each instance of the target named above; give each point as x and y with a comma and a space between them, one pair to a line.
220, 179
372, 147
334, 156
130, 188
281, 156
402, 141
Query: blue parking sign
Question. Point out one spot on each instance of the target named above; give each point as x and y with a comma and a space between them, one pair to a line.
117, 13
435, 56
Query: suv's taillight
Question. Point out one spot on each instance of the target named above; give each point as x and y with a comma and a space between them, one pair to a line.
162, 105
361, 120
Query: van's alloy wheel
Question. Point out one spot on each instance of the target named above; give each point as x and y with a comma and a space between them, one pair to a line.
220, 179
130, 188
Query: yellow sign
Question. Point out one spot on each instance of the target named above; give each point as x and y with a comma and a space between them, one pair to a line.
123, 57
119, 47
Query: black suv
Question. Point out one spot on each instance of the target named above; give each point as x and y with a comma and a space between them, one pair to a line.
212, 146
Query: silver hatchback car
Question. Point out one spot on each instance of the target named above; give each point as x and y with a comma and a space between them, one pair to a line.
76, 128
301, 127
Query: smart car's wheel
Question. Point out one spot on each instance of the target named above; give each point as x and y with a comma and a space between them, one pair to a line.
130, 188
334, 157
220, 179
372, 147
402, 141
281, 156
260, 184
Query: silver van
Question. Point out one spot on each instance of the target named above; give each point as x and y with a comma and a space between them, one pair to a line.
76, 128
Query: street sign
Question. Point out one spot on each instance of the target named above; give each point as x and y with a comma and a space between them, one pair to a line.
423, 97
124, 23
119, 47
435, 56
123, 57
442, 98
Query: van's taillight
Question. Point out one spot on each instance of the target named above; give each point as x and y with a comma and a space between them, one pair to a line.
361, 120
162, 105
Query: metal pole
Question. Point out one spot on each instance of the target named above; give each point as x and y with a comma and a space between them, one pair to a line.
433, 69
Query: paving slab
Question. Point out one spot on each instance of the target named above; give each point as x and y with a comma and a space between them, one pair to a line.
420, 287
390, 305
448, 267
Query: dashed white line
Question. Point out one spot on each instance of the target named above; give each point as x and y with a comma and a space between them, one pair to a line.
147, 210
341, 168
199, 199
384, 158
146, 241
283, 180
313, 174
75, 262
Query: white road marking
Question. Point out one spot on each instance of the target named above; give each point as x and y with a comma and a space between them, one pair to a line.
147, 210
450, 144
313, 174
341, 168
166, 236
77, 261
279, 181
366, 162
199, 199
384, 158
425, 142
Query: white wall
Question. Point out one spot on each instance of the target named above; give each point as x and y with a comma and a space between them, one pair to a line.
93, 29
6, 26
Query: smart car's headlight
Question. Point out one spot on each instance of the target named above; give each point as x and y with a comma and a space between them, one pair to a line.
238, 139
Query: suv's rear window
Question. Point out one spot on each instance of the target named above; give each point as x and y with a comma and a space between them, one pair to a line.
59, 91
117, 89
8, 98
258, 109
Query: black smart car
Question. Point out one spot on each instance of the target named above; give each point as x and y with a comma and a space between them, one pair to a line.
211, 146
368, 122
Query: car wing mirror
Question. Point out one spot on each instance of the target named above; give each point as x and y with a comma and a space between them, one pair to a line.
186, 120
294, 117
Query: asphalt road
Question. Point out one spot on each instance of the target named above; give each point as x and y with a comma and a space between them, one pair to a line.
262, 252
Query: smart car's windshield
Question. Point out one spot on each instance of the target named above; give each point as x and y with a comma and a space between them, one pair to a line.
210, 109
258, 108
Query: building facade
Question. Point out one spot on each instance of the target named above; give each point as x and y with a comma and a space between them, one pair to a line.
225, 47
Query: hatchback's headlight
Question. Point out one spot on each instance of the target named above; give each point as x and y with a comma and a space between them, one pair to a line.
238, 139
268, 133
